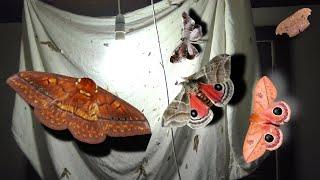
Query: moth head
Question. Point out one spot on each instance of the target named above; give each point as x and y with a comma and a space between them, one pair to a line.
86, 86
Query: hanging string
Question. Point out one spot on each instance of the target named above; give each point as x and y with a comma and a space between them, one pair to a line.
272, 68
227, 144
119, 8
166, 83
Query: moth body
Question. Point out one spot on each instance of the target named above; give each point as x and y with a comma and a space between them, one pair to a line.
192, 87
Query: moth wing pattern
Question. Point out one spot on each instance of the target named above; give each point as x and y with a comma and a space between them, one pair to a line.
255, 144
191, 30
184, 50
196, 34
180, 52
89, 112
85, 131
188, 25
177, 113
202, 113
294, 24
123, 119
264, 95
192, 51
217, 71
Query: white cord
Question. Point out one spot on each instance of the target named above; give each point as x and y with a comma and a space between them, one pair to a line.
167, 90
119, 8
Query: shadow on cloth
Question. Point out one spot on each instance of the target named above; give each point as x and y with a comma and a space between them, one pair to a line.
238, 62
192, 13
126, 144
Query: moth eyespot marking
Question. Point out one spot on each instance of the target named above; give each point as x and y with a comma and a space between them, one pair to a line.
193, 113
218, 87
269, 138
277, 111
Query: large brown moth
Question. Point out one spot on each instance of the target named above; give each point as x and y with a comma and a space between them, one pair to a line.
78, 104
210, 86
191, 33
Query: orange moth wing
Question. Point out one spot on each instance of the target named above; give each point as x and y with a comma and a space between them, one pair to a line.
295, 23
88, 111
264, 132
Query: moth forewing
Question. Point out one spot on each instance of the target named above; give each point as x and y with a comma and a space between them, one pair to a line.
177, 114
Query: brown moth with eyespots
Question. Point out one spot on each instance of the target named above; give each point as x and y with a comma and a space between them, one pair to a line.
211, 86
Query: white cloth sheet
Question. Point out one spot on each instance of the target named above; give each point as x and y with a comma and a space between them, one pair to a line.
131, 69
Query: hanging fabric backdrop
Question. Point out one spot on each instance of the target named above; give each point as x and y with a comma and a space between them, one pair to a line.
61, 42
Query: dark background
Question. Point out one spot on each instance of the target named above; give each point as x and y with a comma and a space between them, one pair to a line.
297, 59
